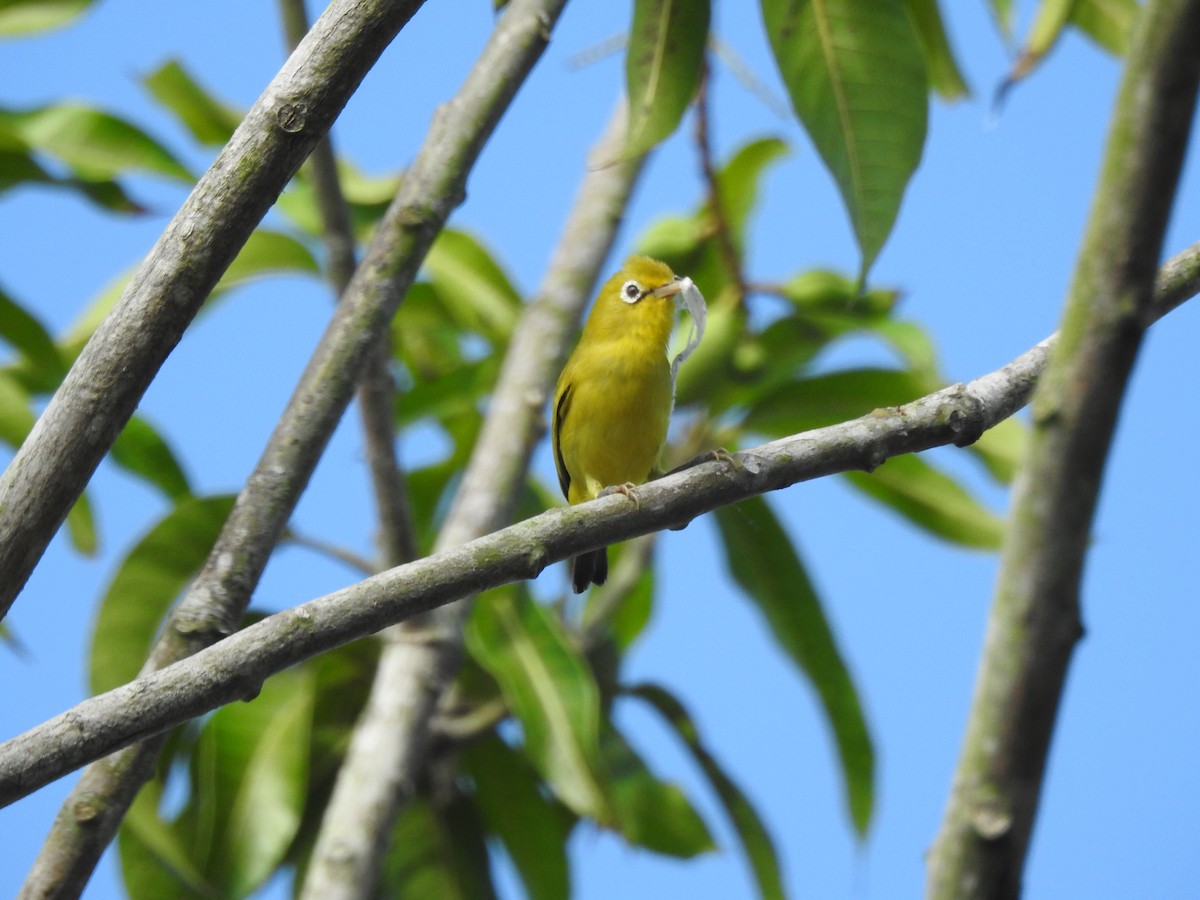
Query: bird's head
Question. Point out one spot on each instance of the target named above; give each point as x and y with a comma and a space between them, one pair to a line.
640, 296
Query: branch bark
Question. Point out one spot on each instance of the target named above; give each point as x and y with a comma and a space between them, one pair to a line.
234, 668
433, 186
420, 658
103, 387
1035, 619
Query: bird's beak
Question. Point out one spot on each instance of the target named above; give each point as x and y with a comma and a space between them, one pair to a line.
670, 289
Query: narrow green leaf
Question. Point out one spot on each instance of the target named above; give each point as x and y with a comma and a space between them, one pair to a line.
472, 285
856, 77
549, 687
1002, 14
1001, 447
944, 74
1052, 17
155, 858
662, 67
740, 182
651, 813
1107, 22
141, 450
933, 500
95, 144
752, 834
259, 756
81, 527
19, 17
532, 829
44, 367
823, 400
437, 855
208, 120
16, 411
762, 560
145, 585
267, 253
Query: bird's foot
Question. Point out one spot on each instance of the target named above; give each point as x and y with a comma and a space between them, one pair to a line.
720, 454
627, 489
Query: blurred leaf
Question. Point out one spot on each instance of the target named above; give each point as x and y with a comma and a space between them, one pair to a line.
707, 370
155, 859
424, 336
206, 118
1002, 13
81, 527
823, 400
437, 855
549, 688
663, 66
250, 773
739, 182
145, 585
368, 197
651, 813
452, 393
16, 412
755, 840
1048, 25
944, 74
140, 449
1001, 448
44, 366
94, 144
764, 563
1107, 22
533, 830
629, 618
473, 286
856, 76
267, 253
932, 500
18, 17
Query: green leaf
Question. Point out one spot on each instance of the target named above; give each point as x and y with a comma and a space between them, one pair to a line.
437, 855
44, 366
155, 858
267, 253
473, 286
18, 17
145, 585
81, 526
663, 66
855, 73
533, 830
16, 412
822, 400
208, 120
933, 500
1001, 448
250, 780
944, 73
94, 144
140, 449
1107, 22
1002, 14
764, 563
752, 834
651, 813
549, 687
739, 182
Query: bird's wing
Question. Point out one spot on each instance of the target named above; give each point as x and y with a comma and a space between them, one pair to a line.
561, 406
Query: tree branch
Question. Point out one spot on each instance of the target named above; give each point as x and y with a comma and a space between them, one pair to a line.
213, 606
103, 387
1035, 619
234, 668
420, 658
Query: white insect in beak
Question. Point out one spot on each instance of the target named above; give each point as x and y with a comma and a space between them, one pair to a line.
689, 297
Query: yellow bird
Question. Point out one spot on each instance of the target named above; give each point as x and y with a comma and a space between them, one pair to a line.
613, 399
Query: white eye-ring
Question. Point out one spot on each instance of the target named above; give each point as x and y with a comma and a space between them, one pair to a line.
631, 292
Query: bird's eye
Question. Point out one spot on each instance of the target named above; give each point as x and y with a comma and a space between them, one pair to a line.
631, 292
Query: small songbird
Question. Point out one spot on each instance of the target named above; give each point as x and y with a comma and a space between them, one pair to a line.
614, 397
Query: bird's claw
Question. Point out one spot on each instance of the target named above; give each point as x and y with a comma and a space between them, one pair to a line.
627, 489
720, 454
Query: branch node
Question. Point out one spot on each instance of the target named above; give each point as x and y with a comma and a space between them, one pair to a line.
292, 117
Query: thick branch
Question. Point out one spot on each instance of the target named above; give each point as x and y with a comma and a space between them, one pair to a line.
233, 668
1035, 619
104, 386
212, 608
419, 659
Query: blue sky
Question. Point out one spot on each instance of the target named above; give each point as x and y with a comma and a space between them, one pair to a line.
983, 251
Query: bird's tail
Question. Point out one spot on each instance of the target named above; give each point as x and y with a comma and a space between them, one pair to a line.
589, 568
